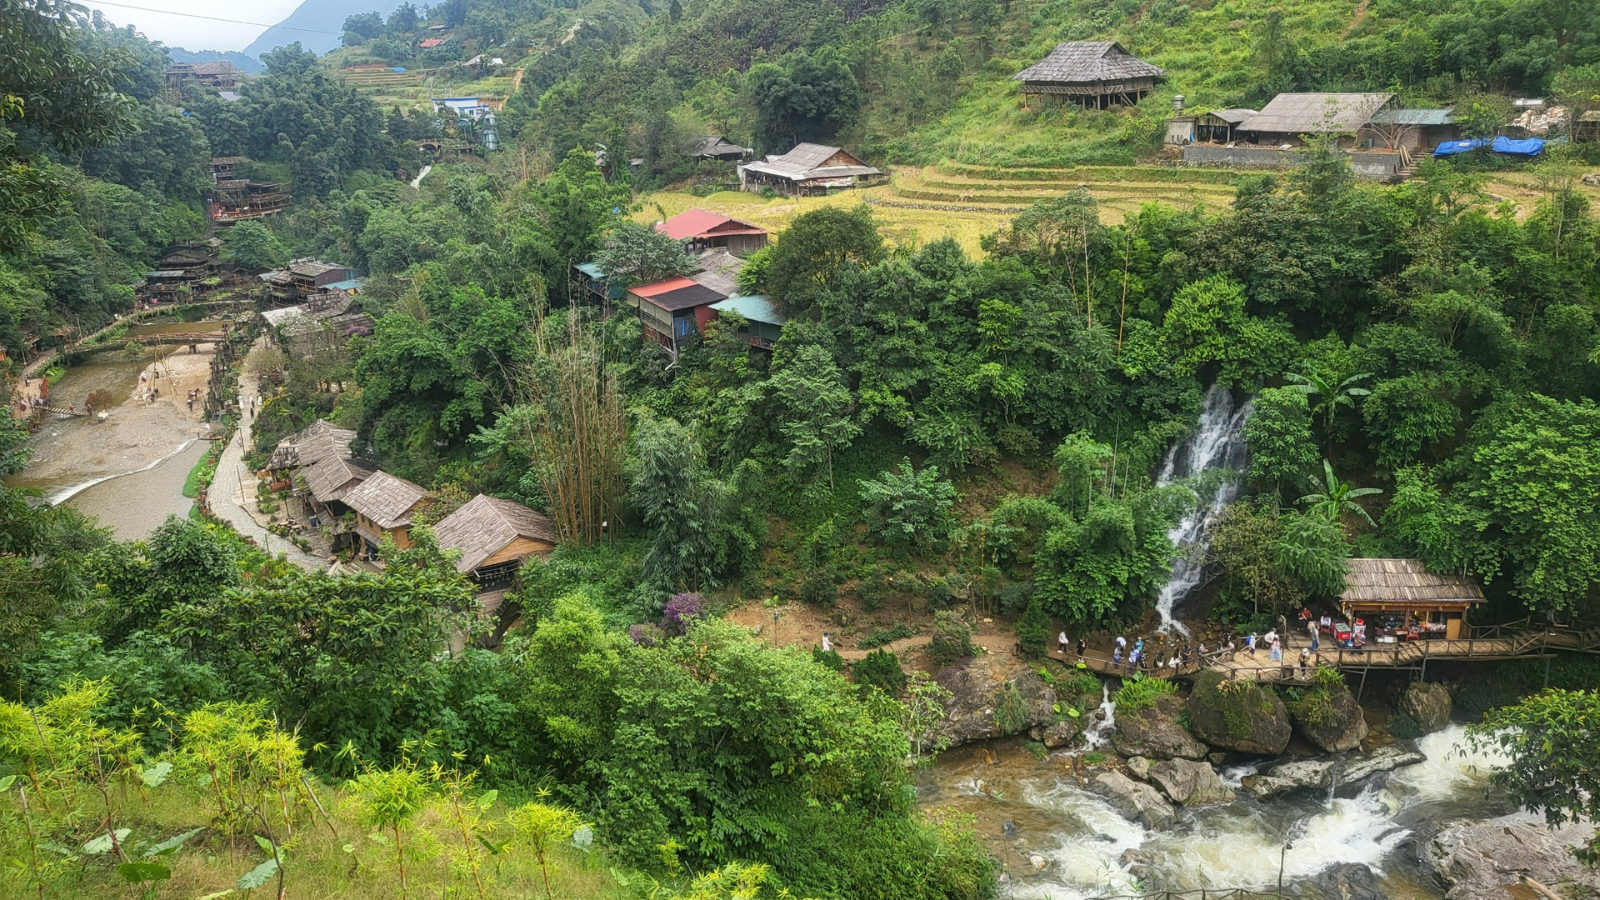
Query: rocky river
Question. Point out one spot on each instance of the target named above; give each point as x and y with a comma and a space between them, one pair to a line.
1426, 830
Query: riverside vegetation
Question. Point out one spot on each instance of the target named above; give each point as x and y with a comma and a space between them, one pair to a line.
945, 435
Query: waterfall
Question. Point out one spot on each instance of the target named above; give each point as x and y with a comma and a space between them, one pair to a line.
1217, 443
1099, 732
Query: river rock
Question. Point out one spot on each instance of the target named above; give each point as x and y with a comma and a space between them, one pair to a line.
1317, 774
1347, 881
1156, 733
1139, 767
976, 690
1145, 865
1428, 703
1134, 801
1190, 783
1330, 718
1058, 734
1238, 715
1478, 859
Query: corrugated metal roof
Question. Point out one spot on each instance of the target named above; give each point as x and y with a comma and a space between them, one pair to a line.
1233, 116
690, 223
1317, 113
801, 164
1415, 117
686, 297
755, 307
661, 287
719, 270
1089, 62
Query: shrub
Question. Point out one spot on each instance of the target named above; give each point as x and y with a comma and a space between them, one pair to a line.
938, 594
908, 509
1011, 713
1140, 692
680, 611
1403, 727
881, 669
828, 659
1033, 630
888, 636
952, 639
873, 592
1014, 597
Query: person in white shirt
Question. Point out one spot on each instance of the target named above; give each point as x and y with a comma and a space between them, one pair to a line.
1061, 642
827, 642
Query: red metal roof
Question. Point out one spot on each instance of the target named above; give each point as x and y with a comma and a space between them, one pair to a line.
431, 42
661, 287
690, 223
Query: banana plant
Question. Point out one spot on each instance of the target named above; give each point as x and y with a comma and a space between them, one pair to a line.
1330, 391
1333, 498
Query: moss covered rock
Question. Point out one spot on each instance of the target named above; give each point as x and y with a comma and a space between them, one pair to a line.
1327, 714
1237, 715
1428, 704
1156, 732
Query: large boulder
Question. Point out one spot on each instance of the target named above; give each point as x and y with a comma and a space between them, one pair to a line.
993, 695
1237, 715
1136, 802
1478, 859
1058, 734
1318, 774
1156, 733
1427, 703
1329, 717
1348, 881
1189, 783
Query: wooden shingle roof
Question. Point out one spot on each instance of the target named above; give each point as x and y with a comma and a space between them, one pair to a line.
485, 525
311, 445
334, 478
1404, 581
386, 499
1088, 62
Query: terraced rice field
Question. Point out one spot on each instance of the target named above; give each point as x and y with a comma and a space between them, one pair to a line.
967, 202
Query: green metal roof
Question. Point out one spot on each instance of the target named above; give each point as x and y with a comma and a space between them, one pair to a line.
591, 269
755, 307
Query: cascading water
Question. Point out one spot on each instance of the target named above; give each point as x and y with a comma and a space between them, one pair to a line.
1099, 732
1217, 443
1090, 850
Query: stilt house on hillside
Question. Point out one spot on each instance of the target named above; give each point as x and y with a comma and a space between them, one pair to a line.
809, 170
715, 146
1097, 74
384, 505
704, 230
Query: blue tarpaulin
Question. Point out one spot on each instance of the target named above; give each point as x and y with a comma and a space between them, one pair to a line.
1451, 148
1529, 147
400, 69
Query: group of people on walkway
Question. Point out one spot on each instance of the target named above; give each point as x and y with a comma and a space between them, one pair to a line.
1143, 656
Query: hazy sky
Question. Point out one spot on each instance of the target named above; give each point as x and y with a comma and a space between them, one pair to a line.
198, 34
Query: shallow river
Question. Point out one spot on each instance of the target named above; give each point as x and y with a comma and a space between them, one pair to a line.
131, 499
1025, 807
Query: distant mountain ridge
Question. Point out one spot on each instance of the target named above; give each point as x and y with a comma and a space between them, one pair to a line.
241, 61
323, 21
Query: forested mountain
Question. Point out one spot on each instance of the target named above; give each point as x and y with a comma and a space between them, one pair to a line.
943, 438
315, 25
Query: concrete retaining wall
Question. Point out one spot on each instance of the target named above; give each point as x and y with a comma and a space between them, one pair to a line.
1369, 164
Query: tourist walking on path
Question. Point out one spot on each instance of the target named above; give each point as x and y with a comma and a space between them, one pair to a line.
1250, 645
1061, 643
1316, 636
1081, 646
1116, 660
1277, 650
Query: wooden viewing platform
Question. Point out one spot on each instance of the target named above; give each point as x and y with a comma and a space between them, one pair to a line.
1498, 643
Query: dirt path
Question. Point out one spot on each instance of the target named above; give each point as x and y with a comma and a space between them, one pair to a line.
1356, 19
233, 491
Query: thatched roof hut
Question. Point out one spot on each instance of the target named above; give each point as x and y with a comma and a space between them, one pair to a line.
1403, 590
311, 445
332, 477
1097, 73
492, 534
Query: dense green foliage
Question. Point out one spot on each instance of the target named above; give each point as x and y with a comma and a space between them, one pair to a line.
1550, 767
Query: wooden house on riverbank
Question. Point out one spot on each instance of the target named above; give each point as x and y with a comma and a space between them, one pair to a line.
384, 506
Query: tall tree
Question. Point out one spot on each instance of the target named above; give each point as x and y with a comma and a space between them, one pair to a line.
814, 412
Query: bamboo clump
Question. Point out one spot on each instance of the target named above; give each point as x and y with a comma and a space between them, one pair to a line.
575, 430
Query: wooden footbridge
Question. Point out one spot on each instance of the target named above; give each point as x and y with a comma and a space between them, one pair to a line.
38, 410
1517, 640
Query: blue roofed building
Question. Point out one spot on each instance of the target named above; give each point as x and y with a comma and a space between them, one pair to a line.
763, 320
